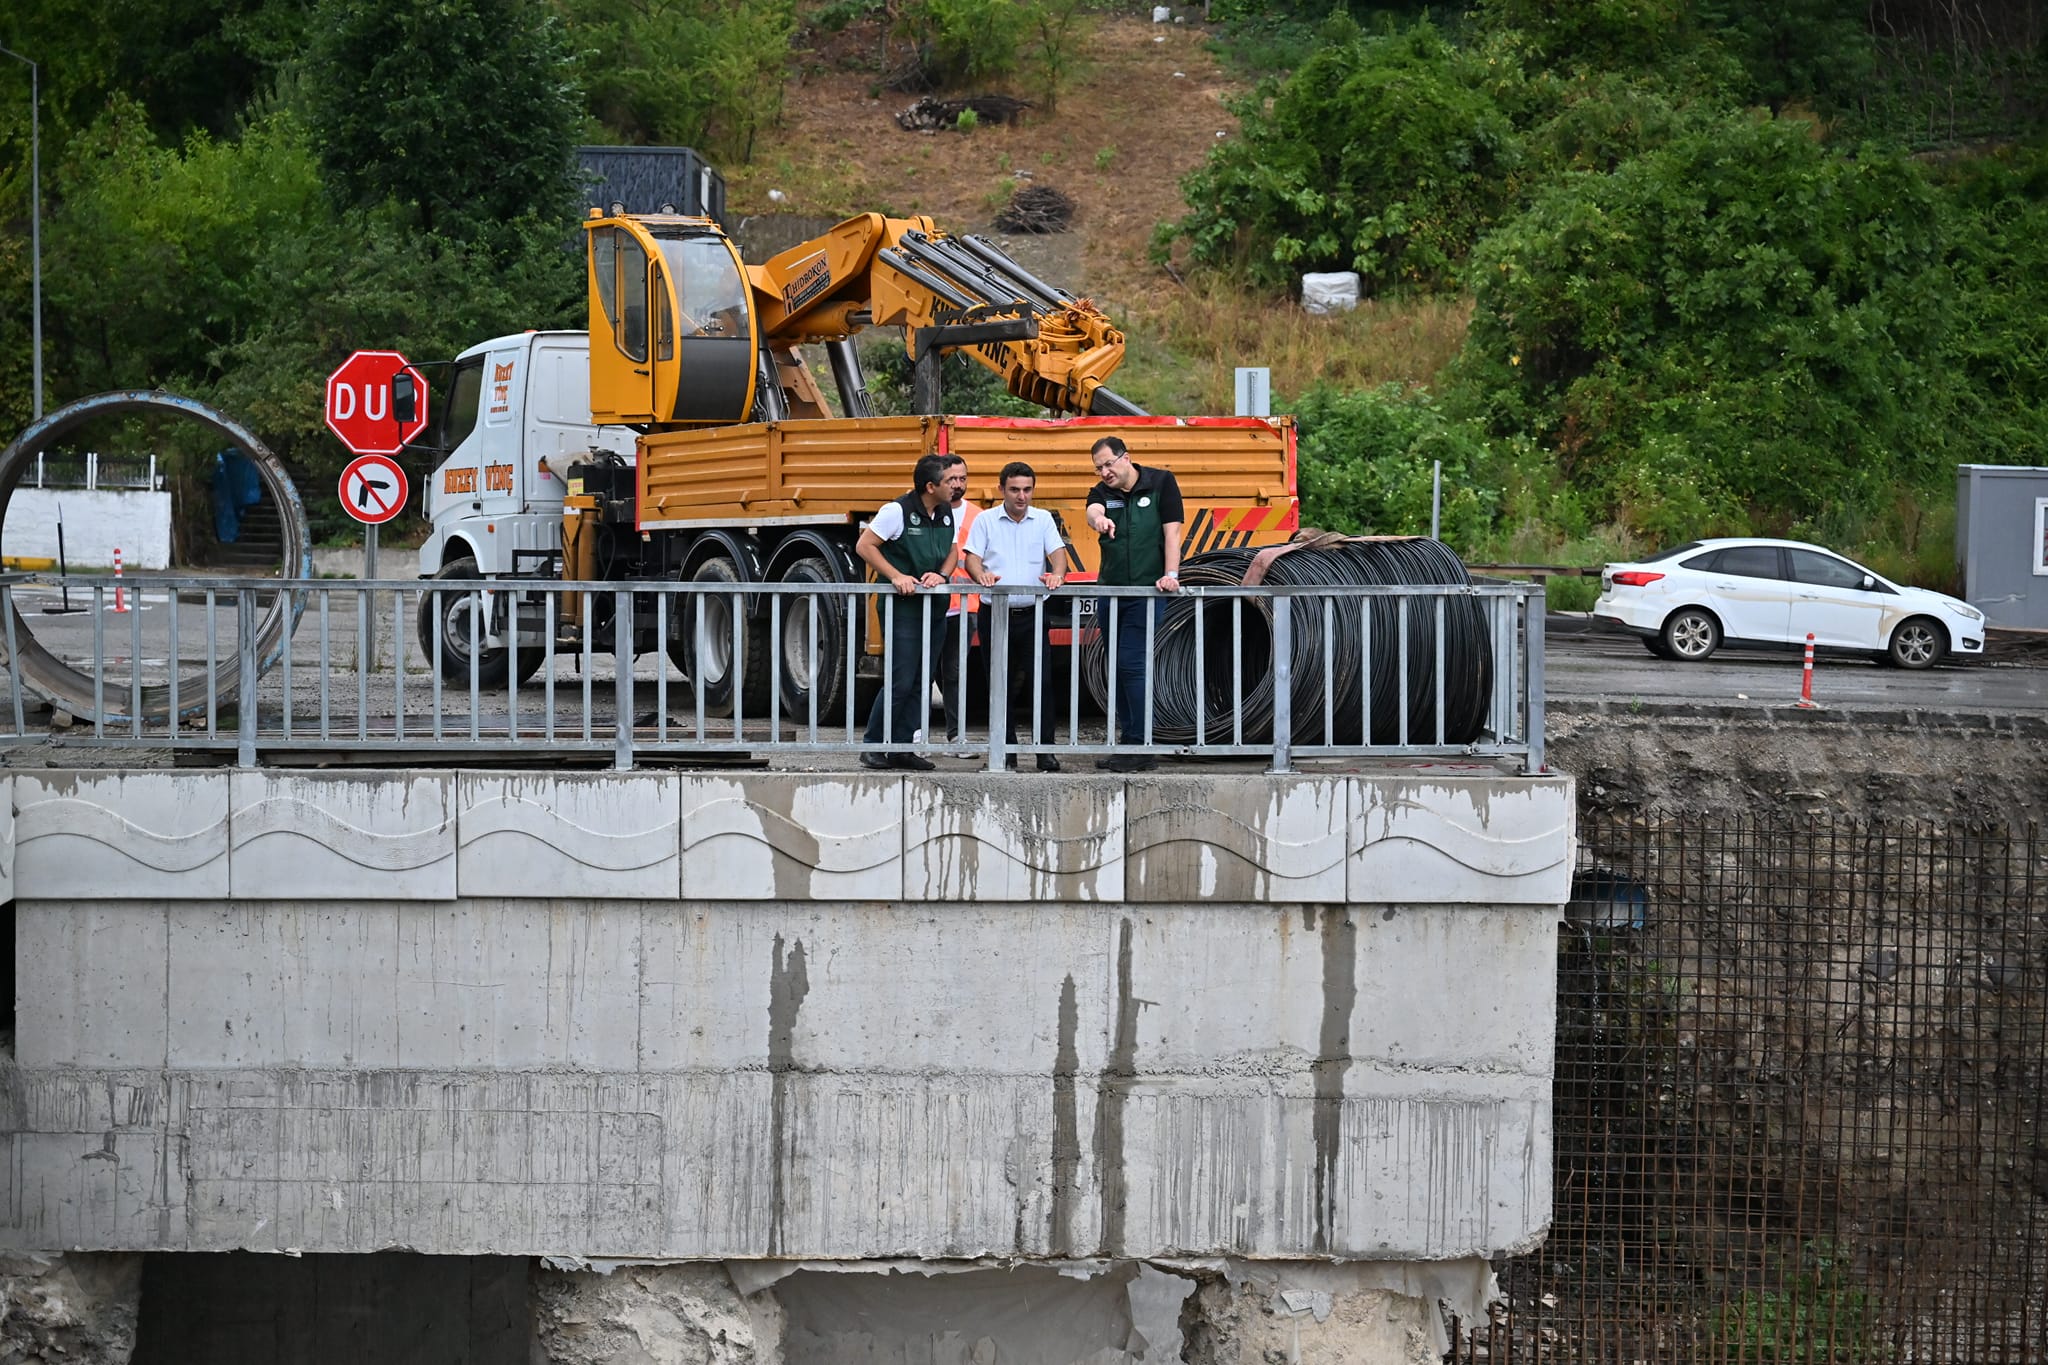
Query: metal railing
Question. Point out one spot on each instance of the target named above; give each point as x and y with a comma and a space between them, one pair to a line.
91, 470
1276, 673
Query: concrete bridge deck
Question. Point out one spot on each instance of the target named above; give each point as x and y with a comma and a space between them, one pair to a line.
771, 1017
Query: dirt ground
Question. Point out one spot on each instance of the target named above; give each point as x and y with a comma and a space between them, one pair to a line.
1675, 761
1141, 112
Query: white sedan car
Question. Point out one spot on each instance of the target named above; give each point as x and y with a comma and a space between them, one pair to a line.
1685, 603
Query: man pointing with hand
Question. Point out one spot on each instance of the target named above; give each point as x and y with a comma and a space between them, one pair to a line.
1137, 513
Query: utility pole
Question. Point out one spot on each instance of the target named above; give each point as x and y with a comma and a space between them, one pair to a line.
35, 219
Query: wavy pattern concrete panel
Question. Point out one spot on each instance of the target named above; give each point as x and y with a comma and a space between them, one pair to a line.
142, 835
1445, 834
983, 838
1277, 839
333, 836
578, 834
1456, 840
827, 837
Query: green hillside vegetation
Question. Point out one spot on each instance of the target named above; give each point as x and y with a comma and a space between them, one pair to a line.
1734, 268
1639, 270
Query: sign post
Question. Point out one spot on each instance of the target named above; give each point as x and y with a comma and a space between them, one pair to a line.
373, 491
377, 405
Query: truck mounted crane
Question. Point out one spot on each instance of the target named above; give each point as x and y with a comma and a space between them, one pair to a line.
684, 437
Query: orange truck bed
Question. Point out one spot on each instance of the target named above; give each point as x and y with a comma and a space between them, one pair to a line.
1236, 474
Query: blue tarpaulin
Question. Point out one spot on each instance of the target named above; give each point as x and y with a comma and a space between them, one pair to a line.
235, 486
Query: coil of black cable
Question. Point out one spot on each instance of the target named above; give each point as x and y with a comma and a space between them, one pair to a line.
1346, 652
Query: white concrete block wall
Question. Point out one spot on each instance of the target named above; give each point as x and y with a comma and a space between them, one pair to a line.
96, 523
681, 1015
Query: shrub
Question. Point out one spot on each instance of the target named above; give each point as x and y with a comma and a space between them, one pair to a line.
1743, 323
703, 73
1366, 459
1386, 155
964, 42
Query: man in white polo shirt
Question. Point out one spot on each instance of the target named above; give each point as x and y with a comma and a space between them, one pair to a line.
1019, 545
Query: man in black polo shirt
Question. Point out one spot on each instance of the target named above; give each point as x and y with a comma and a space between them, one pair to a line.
909, 545
1137, 513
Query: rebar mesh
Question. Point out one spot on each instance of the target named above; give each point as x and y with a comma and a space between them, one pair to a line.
1801, 1100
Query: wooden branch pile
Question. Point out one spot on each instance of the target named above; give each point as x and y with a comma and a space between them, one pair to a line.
933, 115
1036, 208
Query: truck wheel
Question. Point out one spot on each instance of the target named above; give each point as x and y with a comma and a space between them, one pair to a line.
804, 671
705, 641
456, 612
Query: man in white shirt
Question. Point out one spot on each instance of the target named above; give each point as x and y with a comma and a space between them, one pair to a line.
1019, 545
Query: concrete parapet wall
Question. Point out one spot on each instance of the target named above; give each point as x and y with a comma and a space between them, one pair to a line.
783, 1015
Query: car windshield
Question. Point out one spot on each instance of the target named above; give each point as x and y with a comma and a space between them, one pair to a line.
1671, 553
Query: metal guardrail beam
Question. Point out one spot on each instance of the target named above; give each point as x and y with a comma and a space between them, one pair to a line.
1283, 673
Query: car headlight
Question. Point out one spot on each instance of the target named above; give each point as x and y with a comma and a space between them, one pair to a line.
1969, 613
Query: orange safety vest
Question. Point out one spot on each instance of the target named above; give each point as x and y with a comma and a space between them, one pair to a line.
962, 519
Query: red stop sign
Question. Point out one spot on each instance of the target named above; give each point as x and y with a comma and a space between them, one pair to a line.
359, 403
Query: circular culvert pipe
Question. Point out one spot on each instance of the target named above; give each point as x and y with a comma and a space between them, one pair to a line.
70, 690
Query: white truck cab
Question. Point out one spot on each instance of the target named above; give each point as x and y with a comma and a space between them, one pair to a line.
509, 407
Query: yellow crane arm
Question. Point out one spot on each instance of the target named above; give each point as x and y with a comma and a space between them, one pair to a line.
947, 293
683, 334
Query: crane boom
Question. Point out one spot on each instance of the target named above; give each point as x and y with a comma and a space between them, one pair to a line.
684, 334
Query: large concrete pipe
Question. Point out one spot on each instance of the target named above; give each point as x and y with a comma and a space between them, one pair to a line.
70, 690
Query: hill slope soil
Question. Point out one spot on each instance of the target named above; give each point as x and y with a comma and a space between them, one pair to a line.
1141, 112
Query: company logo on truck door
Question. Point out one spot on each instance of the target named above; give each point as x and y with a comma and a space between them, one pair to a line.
458, 481
809, 282
501, 387
497, 478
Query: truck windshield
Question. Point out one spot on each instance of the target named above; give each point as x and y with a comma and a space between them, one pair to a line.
709, 290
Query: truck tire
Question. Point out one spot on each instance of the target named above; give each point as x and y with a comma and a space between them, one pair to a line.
803, 672
454, 610
704, 637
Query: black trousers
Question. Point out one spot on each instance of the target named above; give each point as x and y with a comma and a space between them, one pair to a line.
899, 708
1031, 696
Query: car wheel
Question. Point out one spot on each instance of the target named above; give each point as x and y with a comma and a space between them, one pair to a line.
1655, 644
1917, 643
1691, 634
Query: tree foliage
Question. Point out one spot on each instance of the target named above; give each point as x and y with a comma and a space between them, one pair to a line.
701, 73
462, 112
1367, 461
1737, 327
1385, 154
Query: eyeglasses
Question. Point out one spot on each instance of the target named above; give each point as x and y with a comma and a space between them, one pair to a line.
1104, 466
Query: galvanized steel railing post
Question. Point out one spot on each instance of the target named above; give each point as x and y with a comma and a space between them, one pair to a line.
246, 699
14, 659
1283, 684
622, 685
1533, 629
998, 678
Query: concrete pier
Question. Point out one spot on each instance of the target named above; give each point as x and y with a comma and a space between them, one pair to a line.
769, 1020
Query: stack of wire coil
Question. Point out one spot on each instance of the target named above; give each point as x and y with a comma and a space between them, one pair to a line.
1213, 657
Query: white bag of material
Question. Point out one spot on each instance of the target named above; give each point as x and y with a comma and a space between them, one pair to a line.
1161, 13
1334, 291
